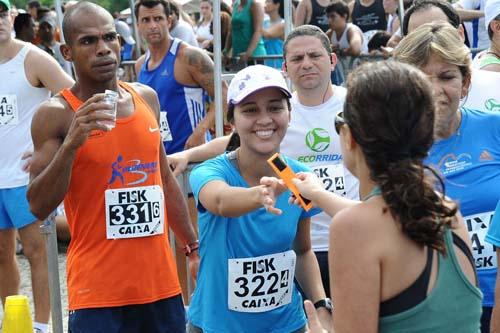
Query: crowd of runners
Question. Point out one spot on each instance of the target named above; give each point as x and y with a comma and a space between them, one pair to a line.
401, 165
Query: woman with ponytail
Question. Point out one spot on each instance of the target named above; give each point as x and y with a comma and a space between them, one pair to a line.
400, 260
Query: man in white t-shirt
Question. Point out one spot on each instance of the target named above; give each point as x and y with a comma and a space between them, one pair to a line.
311, 137
180, 28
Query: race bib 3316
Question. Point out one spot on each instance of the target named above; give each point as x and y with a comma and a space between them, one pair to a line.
134, 212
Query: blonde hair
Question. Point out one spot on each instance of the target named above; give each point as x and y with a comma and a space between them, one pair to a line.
437, 38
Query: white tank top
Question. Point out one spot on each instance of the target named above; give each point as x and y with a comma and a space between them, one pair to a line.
203, 31
342, 42
18, 102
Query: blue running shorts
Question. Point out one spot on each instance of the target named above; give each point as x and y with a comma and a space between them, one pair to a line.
14, 208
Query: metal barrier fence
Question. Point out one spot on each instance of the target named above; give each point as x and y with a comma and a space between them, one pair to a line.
347, 63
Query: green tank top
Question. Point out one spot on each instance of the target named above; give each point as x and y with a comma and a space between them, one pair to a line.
453, 305
242, 30
488, 59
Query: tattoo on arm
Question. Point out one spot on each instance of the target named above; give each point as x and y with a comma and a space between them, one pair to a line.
202, 68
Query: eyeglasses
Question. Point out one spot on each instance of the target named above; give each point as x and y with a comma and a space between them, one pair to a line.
339, 121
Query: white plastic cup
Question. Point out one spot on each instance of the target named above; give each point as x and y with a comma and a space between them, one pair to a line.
110, 98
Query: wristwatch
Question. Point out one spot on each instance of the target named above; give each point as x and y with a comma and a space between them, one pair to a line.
324, 303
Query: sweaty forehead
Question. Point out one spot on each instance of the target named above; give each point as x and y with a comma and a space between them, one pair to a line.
97, 23
157, 10
301, 44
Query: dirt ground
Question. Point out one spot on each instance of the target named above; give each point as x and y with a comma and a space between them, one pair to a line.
25, 288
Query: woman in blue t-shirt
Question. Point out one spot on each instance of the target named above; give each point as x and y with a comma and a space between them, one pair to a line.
467, 142
254, 245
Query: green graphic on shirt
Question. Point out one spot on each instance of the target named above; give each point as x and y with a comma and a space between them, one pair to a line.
492, 105
318, 139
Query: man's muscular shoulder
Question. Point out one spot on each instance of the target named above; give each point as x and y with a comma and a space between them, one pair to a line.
195, 57
148, 94
53, 117
197, 65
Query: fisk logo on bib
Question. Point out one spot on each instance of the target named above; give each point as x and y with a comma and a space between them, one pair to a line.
318, 139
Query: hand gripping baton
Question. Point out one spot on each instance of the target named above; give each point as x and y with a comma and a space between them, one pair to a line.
286, 173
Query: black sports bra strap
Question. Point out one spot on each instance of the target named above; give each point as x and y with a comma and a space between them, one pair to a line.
460, 243
411, 296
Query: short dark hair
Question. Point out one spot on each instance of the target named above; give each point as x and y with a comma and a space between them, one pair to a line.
339, 7
281, 10
41, 12
34, 4
308, 30
22, 20
420, 5
152, 3
378, 40
70, 14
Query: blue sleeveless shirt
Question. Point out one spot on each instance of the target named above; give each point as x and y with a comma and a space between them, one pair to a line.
183, 105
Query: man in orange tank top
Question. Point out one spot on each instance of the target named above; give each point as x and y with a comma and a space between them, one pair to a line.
119, 194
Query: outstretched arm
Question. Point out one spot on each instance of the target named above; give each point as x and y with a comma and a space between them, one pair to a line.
222, 199
311, 187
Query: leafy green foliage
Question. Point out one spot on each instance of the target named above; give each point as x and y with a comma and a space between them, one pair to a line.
111, 5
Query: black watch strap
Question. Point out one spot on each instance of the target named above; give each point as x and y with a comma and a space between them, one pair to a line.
324, 303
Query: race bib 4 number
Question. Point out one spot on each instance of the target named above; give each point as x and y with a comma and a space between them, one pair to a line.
484, 253
8, 110
333, 177
262, 283
134, 212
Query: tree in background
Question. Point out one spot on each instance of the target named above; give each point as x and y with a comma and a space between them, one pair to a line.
111, 5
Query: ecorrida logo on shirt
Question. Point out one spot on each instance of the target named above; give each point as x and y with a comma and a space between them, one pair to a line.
492, 105
318, 140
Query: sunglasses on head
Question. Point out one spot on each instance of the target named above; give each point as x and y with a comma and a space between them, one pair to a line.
339, 121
